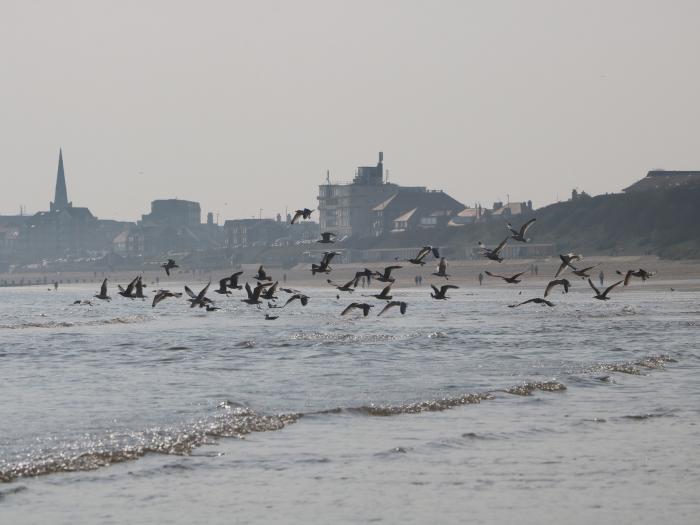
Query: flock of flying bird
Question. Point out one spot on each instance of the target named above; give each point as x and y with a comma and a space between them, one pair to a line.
266, 289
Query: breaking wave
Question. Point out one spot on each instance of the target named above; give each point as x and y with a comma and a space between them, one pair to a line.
129, 319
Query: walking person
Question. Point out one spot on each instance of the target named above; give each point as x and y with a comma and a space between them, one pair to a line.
481, 278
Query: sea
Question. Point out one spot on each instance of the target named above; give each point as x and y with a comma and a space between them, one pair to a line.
460, 411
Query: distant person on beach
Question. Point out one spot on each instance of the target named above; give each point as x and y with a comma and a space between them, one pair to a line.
481, 278
601, 277
55, 285
536, 269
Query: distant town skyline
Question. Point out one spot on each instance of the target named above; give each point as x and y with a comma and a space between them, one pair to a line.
244, 106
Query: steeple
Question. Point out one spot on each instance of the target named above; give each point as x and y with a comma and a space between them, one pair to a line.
60, 200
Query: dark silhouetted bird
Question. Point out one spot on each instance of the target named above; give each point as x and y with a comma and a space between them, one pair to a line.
442, 269
163, 294
604, 295
510, 280
557, 282
169, 265
103, 292
493, 254
305, 214
362, 306
391, 304
566, 260
519, 235
326, 238
385, 277
536, 300
442, 292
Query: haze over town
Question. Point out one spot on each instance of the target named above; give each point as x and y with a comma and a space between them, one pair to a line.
218, 102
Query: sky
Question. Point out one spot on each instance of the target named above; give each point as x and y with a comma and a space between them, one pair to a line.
243, 106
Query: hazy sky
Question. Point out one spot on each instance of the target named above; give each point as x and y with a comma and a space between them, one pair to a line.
245, 105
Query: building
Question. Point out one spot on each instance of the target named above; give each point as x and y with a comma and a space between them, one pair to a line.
413, 208
173, 212
663, 180
245, 233
369, 206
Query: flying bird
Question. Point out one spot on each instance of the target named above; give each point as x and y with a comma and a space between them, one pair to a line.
641, 273
305, 214
385, 276
223, 287
391, 304
510, 280
442, 269
325, 264
326, 238
493, 254
169, 265
269, 317
347, 287
262, 274
425, 250
269, 293
566, 260
233, 281
583, 272
303, 299
519, 235
362, 306
557, 282
199, 299
254, 294
441, 293
163, 294
139, 288
103, 292
129, 292
536, 300
384, 294
603, 296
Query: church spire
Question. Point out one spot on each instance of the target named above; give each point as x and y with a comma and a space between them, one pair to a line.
60, 201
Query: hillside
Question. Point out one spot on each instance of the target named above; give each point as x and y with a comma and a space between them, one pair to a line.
664, 223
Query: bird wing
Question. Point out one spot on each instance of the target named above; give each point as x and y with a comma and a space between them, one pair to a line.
292, 298
389, 269
437, 292
203, 292
493, 274
517, 275
403, 307
190, 292
158, 298
297, 214
328, 256
436, 253
550, 285
388, 305
563, 265
103, 289
446, 287
248, 291
131, 285
498, 248
273, 288
386, 290
525, 226
628, 275
597, 292
222, 284
611, 287
349, 307
425, 250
